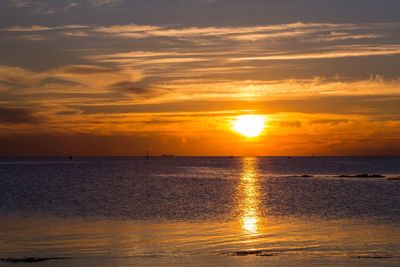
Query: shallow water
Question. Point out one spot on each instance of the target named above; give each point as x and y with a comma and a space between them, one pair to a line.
202, 210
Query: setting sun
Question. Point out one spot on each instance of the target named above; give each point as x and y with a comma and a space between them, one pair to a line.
249, 125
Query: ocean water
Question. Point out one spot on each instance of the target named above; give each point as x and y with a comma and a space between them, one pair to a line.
200, 211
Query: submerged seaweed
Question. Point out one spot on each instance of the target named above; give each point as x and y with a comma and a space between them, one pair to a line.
264, 253
362, 176
30, 259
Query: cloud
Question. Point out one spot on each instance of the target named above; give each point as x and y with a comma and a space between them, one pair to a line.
135, 88
336, 52
267, 36
88, 75
54, 88
316, 31
173, 70
95, 76
286, 124
77, 34
18, 116
158, 31
342, 36
20, 76
45, 7
153, 58
245, 50
278, 89
32, 28
349, 105
126, 29
100, 3
39, 28
22, 3
99, 82
30, 37
73, 26
329, 121
227, 32
293, 41
35, 6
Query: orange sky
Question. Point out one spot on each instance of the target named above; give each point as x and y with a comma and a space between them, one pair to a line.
327, 81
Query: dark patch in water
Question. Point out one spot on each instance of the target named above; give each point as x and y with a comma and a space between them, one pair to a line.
268, 254
362, 176
263, 253
301, 176
30, 259
372, 255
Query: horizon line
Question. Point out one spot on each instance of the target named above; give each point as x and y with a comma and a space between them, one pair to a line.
200, 156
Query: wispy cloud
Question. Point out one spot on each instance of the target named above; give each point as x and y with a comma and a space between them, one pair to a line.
173, 67
33, 28
325, 31
232, 47
77, 34
100, 3
335, 52
22, 3
18, 116
94, 76
88, 77
126, 29
39, 28
228, 32
20, 76
50, 7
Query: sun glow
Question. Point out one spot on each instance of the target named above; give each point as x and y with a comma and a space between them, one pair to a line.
249, 125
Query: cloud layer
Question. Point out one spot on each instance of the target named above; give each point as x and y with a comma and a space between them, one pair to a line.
325, 86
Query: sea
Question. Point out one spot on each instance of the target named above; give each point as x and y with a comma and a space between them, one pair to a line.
199, 211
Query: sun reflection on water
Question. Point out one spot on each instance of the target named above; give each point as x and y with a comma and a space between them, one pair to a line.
249, 196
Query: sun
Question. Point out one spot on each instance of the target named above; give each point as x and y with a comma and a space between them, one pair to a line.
249, 125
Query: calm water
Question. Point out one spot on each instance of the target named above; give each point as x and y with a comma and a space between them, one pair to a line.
200, 211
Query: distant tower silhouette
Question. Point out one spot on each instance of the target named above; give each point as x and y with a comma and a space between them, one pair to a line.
147, 154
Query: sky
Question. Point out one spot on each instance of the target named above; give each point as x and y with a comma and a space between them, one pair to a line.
119, 77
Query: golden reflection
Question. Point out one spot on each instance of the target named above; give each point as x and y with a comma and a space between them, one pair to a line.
249, 196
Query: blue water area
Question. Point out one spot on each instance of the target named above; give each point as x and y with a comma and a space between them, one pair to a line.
200, 211
197, 188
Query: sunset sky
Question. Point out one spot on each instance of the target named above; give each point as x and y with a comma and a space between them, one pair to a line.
119, 77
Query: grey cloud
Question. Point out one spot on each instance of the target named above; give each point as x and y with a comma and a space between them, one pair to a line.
353, 105
22, 3
46, 7
286, 124
100, 3
84, 69
19, 76
132, 87
328, 121
18, 116
67, 112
